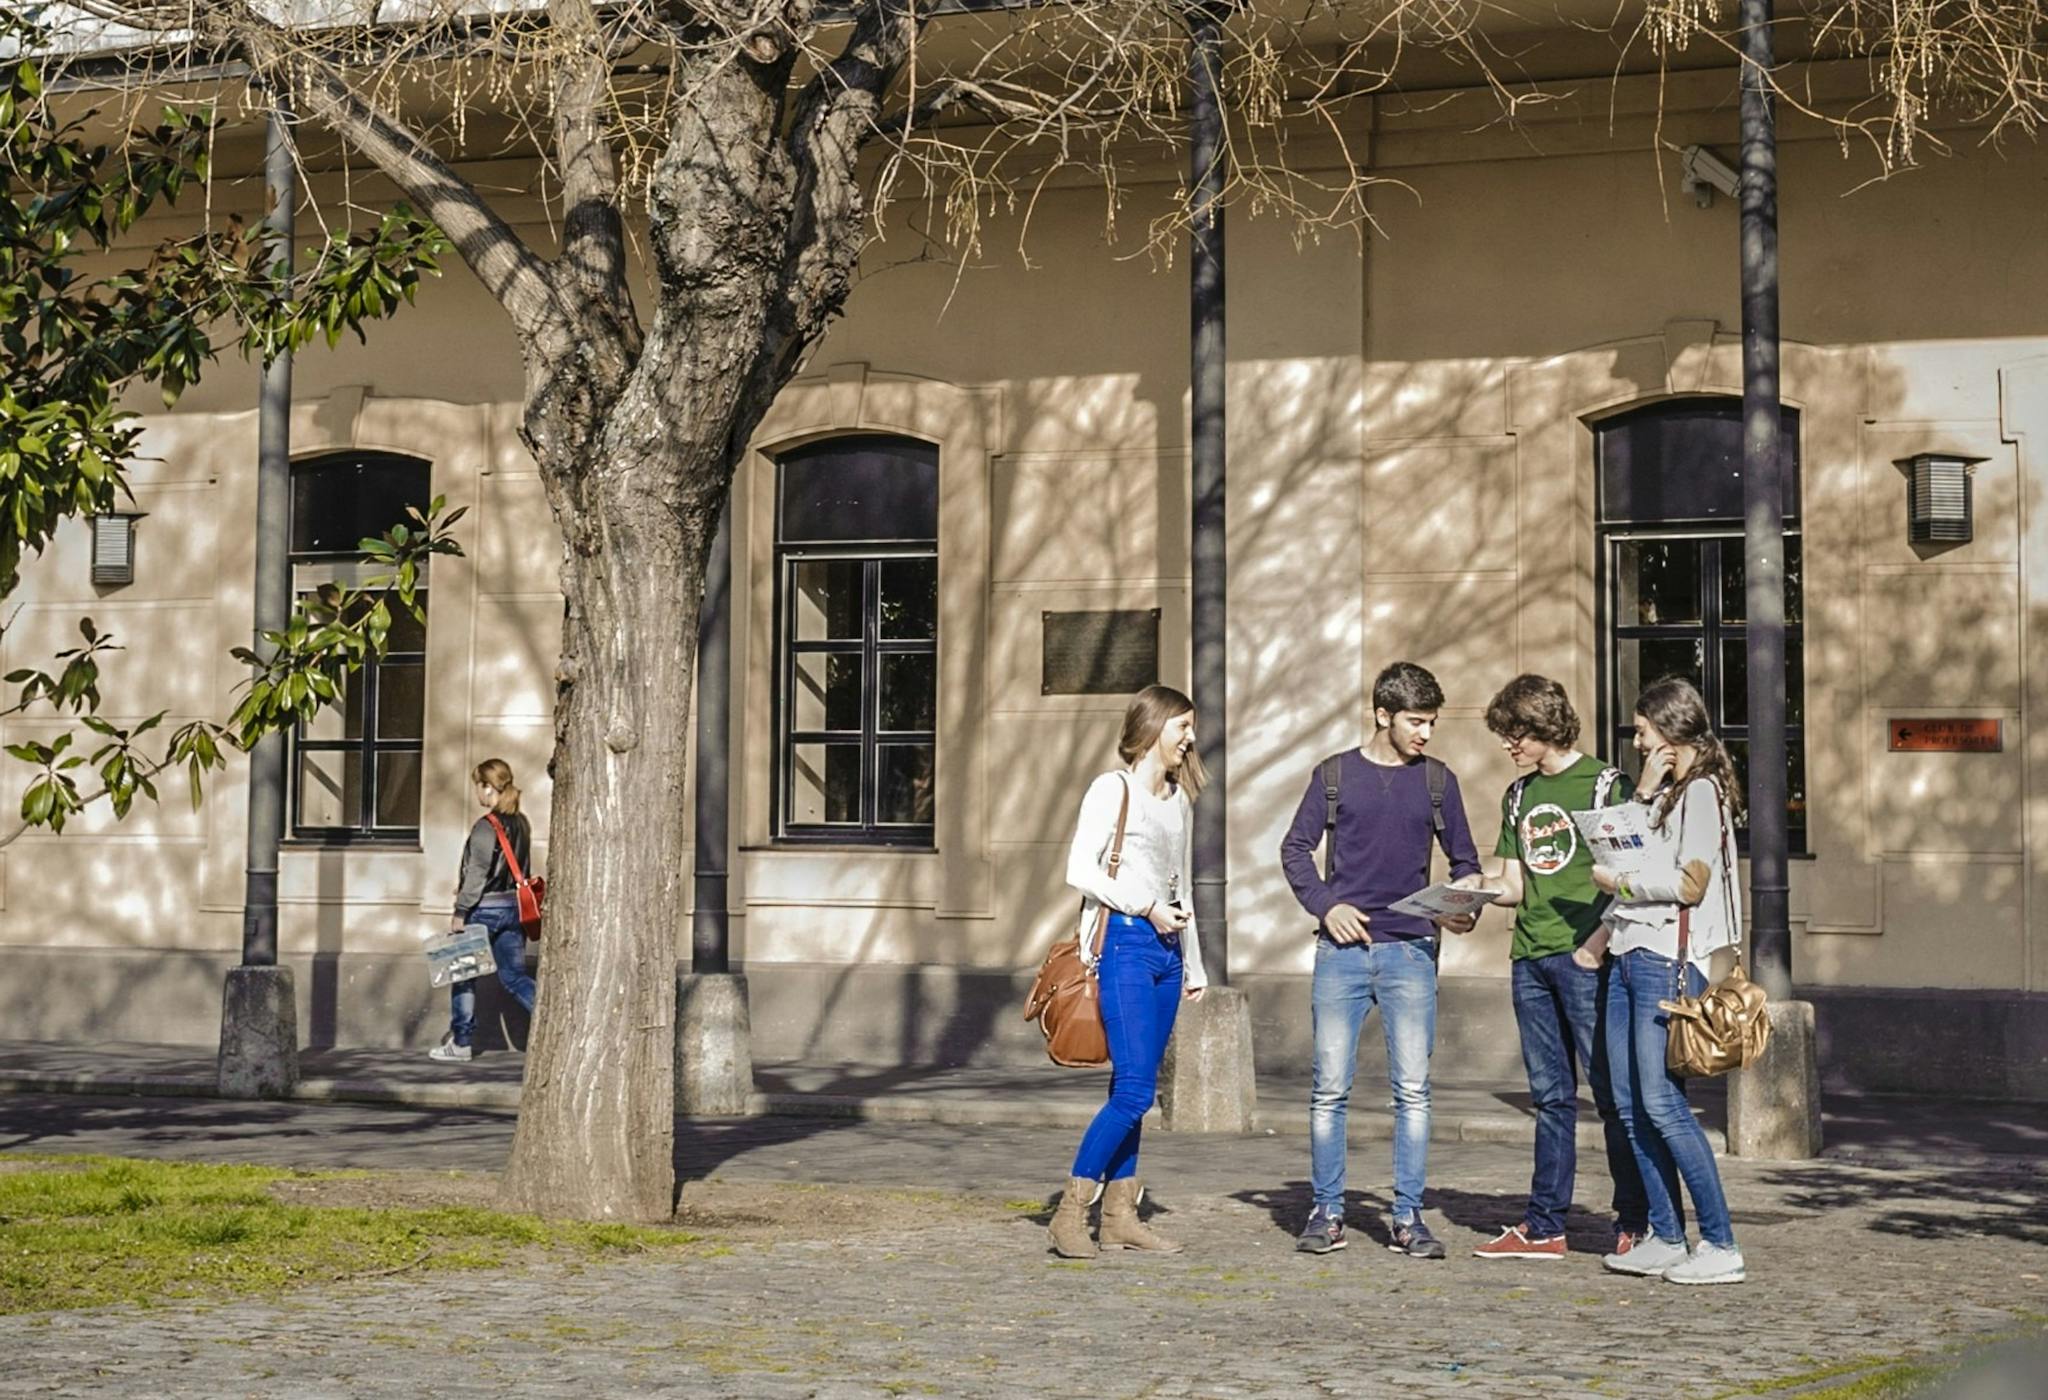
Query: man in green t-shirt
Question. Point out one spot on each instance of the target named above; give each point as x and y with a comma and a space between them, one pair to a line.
1546, 873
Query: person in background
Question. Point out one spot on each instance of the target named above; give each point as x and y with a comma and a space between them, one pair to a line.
484, 895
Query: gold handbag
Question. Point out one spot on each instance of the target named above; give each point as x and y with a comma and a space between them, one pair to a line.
1726, 1026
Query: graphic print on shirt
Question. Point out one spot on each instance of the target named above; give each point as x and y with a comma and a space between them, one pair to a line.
1550, 838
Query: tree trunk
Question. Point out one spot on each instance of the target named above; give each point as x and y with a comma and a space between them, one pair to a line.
596, 1135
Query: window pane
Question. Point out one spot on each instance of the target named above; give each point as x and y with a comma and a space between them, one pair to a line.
1656, 582
824, 784
910, 599
330, 788
407, 634
827, 692
910, 693
1735, 582
860, 488
401, 700
341, 500
1795, 788
340, 721
1735, 682
1638, 662
827, 599
398, 789
904, 794
1681, 460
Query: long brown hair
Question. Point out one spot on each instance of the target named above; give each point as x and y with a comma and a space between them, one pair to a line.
1677, 712
1148, 714
498, 773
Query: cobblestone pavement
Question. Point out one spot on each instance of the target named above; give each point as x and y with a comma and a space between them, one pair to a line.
1849, 1263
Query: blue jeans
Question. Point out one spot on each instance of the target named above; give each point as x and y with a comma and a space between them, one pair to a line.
1557, 1009
1399, 977
1139, 977
1669, 1143
508, 948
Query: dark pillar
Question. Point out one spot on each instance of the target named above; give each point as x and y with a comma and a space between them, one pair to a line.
1206, 397
1773, 1105
714, 1029
1763, 508
259, 1036
710, 943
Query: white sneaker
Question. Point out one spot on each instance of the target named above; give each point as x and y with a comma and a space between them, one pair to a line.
448, 1050
1648, 1258
1710, 1263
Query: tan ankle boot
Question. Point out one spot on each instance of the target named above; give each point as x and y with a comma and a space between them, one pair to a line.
1070, 1222
1121, 1228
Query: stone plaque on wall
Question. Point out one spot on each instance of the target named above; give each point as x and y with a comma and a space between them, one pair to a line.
1101, 653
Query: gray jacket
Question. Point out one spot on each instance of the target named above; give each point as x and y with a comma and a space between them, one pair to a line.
486, 879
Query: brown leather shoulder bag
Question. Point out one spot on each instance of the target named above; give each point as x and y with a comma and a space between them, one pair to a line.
1726, 1026
1065, 1000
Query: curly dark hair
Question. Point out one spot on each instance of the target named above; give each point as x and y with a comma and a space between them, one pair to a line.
1534, 707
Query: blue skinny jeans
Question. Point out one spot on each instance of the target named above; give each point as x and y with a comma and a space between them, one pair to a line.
1670, 1145
508, 949
1140, 982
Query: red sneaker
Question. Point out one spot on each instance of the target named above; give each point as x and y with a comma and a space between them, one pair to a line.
1624, 1242
1515, 1243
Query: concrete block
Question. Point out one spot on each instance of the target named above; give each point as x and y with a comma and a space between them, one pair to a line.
259, 1035
714, 1045
1774, 1105
1207, 1084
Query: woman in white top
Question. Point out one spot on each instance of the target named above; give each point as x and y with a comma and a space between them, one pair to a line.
1688, 881
1150, 957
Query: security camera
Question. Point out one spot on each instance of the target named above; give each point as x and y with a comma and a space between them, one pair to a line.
1702, 172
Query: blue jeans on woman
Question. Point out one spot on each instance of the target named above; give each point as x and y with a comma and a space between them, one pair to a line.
1140, 982
1399, 977
508, 949
1557, 1009
1669, 1143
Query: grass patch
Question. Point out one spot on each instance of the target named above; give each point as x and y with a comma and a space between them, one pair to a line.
80, 1232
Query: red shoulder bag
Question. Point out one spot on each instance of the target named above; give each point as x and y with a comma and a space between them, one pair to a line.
530, 889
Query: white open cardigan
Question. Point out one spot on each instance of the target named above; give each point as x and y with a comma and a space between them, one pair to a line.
1156, 866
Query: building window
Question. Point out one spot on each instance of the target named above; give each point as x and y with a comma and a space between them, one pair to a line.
857, 583
356, 767
1673, 598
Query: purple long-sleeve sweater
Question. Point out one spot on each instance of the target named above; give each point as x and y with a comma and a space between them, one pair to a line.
1383, 840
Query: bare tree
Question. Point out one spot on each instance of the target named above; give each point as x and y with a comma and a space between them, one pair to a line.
764, 140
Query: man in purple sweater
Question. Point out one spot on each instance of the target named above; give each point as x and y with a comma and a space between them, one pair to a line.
1392, 805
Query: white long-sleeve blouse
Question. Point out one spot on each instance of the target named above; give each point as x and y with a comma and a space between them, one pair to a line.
1156, 865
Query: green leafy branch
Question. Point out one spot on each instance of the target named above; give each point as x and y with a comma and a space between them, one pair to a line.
302, 670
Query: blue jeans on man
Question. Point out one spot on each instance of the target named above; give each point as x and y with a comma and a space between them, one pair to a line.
1670, 1145
1399, 977
508, 949
1558, 1011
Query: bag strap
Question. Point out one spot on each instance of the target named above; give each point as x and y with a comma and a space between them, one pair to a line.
1603, 785
505, 845
1116, 858
1333, 769
1439, 775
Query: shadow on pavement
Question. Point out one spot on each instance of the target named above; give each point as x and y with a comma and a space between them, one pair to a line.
1933, 1203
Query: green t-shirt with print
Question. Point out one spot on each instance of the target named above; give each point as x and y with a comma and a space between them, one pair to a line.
1561, 906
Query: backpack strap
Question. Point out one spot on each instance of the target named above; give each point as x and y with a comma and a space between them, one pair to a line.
1516, 791
1332, 769
1439, 775
1603, 785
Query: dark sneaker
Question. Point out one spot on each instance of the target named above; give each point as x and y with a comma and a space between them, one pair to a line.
1323, 1233
1412, 1238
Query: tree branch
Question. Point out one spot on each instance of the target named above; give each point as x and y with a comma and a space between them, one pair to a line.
592, 266
495, 253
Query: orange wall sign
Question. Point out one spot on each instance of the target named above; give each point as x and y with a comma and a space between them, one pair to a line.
1947, 735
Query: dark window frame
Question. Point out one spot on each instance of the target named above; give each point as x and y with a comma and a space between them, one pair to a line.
1616, 712
368, 747
871, 554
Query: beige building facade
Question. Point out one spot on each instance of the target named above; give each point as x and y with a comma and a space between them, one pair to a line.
1422, 466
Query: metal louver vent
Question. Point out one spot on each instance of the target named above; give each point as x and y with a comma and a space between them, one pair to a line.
1938, 499
113, 549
